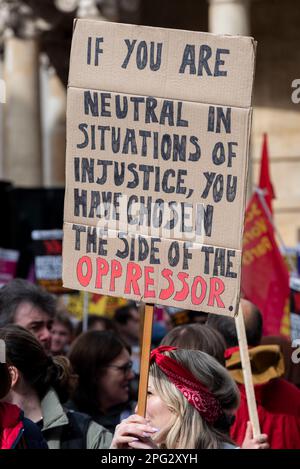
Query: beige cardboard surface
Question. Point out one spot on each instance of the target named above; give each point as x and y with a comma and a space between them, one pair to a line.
161, 157
194, 169
234, 89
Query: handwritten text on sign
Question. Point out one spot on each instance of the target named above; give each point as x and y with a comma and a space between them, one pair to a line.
156, 179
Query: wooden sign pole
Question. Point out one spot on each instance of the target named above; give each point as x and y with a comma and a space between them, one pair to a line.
145, 360
252, 409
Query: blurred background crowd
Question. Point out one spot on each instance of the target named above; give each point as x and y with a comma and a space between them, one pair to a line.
86, 355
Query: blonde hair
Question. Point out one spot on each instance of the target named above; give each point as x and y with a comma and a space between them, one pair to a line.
186, 428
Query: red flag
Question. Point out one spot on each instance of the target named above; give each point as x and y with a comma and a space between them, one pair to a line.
265, 278
265, 179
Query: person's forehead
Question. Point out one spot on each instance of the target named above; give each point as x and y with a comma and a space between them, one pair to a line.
28, 312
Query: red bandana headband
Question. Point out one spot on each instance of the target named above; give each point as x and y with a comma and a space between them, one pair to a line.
193, 390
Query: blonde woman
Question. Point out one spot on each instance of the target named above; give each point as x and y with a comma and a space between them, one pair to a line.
190, 404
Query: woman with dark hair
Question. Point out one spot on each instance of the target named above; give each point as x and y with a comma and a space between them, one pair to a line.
39, 384
104, 369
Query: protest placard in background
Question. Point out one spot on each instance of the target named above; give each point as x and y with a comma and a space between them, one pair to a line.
47, 249
158, 125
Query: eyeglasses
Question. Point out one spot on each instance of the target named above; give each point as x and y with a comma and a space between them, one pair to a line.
125, 368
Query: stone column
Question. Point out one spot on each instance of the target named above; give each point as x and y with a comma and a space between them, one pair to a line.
53, 104
22, 134
232, 17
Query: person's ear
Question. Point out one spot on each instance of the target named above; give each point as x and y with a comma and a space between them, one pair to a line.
14, 375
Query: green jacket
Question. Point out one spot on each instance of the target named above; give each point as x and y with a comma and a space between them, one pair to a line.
55, 419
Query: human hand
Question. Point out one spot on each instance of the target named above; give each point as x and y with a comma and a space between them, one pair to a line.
251, 442
134, 432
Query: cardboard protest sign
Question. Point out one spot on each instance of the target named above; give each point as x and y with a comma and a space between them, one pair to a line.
158, 125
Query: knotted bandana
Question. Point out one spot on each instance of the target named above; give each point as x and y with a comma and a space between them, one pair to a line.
193, 390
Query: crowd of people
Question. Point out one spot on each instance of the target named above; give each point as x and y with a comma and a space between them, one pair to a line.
62, 387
